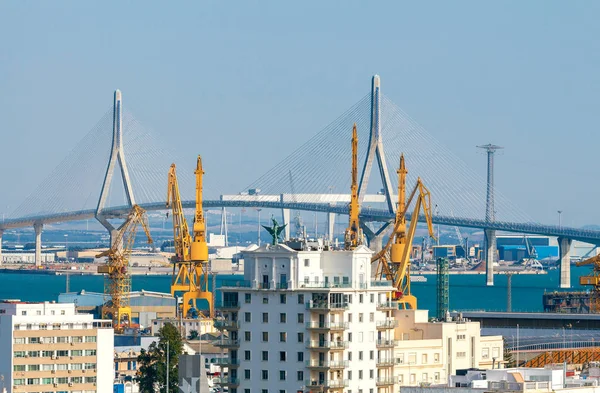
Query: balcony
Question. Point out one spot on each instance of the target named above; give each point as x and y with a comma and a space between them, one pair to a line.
384, 381
330, 364
327, 326
229, 306
236, 284
385, 344
225, 324
325, 306
327, 384
385, 362
228, 381
387, 306
327, 345
387, 324
325, 285
226, 362
228, 343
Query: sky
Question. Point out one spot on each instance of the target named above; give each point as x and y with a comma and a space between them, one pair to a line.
246, 83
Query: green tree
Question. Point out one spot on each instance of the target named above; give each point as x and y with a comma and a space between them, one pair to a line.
194, 335
152, 371
507, 355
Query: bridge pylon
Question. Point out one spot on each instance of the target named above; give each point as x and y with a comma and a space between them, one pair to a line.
117, 156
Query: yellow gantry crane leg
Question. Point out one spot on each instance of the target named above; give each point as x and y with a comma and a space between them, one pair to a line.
190, 269
354, 236
118, 279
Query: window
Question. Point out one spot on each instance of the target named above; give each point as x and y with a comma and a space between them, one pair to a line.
47, 381
90, 366
461, 354
43, 326
247, 375
349, 337
90, 339
300, 317
360, 337
372, 317
19, 340
349, 296
372, 298
349, 317
282, 375
360, 374
300, 356
424, 377
300, 337
485, 353
424, 358
360, 355
301, 299
265, 318
79, 366
282, 337
360, 298
265, 300
371, 374
282, 317
247, 317
62, 367
371, 355
306, 262
436, 357
436, 376
360, 317
90, 379
19, 354
306, 279
247, 336
247, 298
265, 337
62, 380
76, 352
461, 337
246, 390
52, 312
349, 374
265, 375
247, 355
60, 340
33, 354
300, 376
88, 352
412, 358
77, 379
349, 355
77, 339
23, 312
265, 356
19, 367
282, 356
20, 381
496, 352
413, 378
62, 312
33, 381
282, 299
34, 367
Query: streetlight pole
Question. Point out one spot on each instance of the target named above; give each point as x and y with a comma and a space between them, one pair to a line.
168, 365
559, 217
258, 227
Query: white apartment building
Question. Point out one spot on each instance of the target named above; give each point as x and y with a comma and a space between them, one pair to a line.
48, 347
315, 321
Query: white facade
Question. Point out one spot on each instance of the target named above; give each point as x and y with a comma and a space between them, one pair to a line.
49, 347
315, 321
26, 257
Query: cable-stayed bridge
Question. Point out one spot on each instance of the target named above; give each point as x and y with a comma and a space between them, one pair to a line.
315, 177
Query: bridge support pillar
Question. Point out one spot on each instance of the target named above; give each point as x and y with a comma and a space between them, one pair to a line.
330, 226
1, 233
490, 255
38, 226
375, 239
285, 213
564, 250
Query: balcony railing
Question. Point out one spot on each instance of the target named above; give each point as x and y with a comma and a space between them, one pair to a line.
226, 362
228, 343
384, 381
387, 324
385, 362
327, 325
282, 285
228, 305
317, 305
236, 284
381, 283
326, 363
387, 306
331, 383
327, 344
385, 343
228, 381
325, 285
225, 324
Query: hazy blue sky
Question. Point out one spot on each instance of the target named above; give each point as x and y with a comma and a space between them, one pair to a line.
247, 82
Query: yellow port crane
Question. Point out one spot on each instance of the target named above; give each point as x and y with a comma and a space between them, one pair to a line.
393, 261
117, 283
353, 236
592, 280
190, 269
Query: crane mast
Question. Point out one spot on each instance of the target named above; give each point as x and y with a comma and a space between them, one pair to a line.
117, 284
393, 261
354, 236
190, 269
592, 280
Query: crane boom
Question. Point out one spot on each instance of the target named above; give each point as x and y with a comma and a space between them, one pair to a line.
190, 270
592, 280
394, 259
353, 236
117, 284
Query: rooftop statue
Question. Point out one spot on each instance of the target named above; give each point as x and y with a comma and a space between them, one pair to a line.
275, 231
